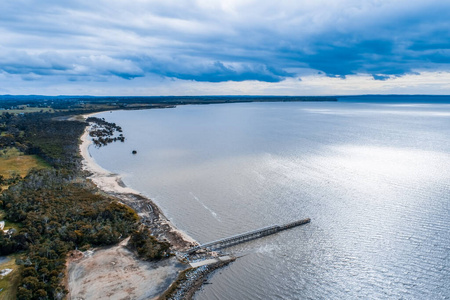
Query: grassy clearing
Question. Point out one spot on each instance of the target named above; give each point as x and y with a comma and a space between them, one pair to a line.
8, 224
8, 283
26, 110
9, 152
13, 161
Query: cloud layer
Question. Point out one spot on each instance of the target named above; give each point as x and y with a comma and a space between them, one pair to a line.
221, 41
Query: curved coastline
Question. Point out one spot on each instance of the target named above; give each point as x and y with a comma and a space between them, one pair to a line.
103, 179
150, 214
112, 184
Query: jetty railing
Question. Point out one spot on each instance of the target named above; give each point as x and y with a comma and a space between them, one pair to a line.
247, 236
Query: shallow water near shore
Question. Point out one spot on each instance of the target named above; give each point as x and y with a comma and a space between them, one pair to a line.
373, 177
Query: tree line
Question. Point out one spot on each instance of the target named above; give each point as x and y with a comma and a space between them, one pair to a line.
58, 209
102, 132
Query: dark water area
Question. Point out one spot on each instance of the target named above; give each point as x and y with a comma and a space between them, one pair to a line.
373, 177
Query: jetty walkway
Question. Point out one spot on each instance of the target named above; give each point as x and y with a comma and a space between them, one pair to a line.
247, 236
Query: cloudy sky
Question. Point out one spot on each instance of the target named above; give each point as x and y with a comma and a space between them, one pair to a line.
228, 47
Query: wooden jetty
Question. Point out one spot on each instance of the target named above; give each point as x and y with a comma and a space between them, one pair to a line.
247, 236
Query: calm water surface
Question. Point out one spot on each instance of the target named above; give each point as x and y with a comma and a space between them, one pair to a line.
373, 177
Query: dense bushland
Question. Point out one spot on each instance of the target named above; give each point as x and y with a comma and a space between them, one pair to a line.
147, 246
58, 215
40, 134
58, 209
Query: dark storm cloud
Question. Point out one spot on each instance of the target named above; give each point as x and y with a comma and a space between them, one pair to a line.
214, 41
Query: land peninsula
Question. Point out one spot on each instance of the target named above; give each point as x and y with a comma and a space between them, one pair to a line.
73, 229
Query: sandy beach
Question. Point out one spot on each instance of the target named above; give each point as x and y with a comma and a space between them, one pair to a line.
112, 184
118, 273
102, 178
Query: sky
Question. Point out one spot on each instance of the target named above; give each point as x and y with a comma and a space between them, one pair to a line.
234, 47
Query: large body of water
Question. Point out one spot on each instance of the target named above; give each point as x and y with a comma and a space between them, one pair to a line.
373, 177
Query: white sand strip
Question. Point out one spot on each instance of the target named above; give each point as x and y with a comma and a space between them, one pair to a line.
112, 183
104, 179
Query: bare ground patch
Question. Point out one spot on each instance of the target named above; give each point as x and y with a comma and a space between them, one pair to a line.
115, 273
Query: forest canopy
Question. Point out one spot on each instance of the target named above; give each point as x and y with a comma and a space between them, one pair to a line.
56, 208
